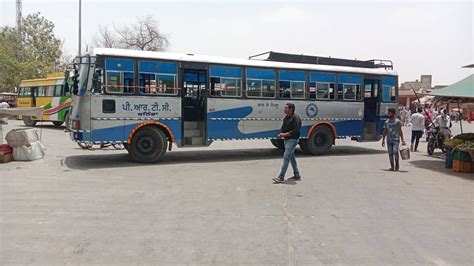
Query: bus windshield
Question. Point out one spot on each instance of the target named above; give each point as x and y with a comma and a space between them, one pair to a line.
82, 69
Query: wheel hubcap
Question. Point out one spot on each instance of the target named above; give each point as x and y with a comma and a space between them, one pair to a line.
145, 144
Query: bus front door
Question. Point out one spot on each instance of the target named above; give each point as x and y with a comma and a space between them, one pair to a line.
194, 102
371, 98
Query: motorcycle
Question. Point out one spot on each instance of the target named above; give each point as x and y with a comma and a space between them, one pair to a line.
435, 140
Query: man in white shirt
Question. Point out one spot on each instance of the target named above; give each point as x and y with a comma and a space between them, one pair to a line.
417, 121
443, 121
3, 105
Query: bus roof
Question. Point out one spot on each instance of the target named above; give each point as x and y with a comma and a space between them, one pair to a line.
234, 61
51, 79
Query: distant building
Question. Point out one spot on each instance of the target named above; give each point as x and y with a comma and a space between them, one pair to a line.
406, 94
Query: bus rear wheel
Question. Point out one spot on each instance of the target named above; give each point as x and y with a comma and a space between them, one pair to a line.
57, 123
148, 145
319, 142
278, 143
28, 121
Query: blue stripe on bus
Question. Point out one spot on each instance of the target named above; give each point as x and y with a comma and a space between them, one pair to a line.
225, 71
391, 81
119, 64
256, 73
157, 67
292, 75
322, 77
350, 78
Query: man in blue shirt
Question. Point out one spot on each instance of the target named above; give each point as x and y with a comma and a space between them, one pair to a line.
290, 131
392, 129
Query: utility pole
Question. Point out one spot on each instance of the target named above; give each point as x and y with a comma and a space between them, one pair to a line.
80, 11
18, 18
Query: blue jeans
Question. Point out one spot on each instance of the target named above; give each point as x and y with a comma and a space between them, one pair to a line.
392, 146
289, 156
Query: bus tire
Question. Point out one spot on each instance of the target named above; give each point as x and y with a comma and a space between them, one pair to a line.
57, 123
319, 142
28, 121
278, 143
148, 145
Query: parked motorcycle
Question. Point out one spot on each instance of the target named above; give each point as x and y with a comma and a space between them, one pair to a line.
435, 140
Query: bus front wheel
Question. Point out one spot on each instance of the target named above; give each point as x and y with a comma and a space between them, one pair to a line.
148, 145
28, 121
319, 142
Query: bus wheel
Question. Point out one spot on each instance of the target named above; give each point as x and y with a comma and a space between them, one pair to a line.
28, 121
148, 145
57, 123
319, 142
278, 143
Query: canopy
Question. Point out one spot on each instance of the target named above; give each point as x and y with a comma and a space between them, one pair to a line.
461, 89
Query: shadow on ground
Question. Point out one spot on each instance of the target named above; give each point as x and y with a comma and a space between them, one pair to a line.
438, 166
98, 161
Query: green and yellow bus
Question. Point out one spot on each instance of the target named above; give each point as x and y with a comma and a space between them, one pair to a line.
52, 92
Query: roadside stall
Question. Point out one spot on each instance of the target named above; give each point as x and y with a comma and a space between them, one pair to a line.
459, 149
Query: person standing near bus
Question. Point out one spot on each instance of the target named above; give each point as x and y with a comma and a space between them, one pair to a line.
393, 131
417, 121
290, 132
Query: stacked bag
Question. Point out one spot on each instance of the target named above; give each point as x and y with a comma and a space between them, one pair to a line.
6, 153
26, 144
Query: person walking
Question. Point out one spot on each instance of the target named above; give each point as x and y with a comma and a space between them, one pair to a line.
392, 129
290, 132
417, 121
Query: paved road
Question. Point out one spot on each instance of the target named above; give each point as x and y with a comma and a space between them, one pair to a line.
218, 206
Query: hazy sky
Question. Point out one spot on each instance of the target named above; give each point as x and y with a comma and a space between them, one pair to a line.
421, 37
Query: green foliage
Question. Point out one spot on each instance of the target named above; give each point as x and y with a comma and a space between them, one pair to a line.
465, 136
31, 54
466, 146
453, 143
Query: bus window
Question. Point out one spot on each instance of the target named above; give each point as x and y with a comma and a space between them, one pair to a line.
41, 92
389, 93
58, 90
49, 91
225, 81
292, 84
25, 92
349, 87
352, 92
119, 76
158, 84
119, 82
321, 85
261, 83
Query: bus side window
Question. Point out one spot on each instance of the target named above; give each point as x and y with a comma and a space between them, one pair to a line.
225, 81
49, 91
41, 92
58, 90
114, 82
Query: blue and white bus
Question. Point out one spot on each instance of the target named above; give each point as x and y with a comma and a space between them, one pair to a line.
150, 100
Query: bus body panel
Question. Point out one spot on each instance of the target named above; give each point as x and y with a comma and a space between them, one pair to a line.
253, 118
113, 118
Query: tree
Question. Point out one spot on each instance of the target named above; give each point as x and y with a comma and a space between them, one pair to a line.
33, 55
144, 35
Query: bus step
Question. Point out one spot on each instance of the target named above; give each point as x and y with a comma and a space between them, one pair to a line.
191, 125
193, 140
192, 132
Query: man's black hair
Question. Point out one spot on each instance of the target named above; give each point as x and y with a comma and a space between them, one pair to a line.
291, 106
392, 110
